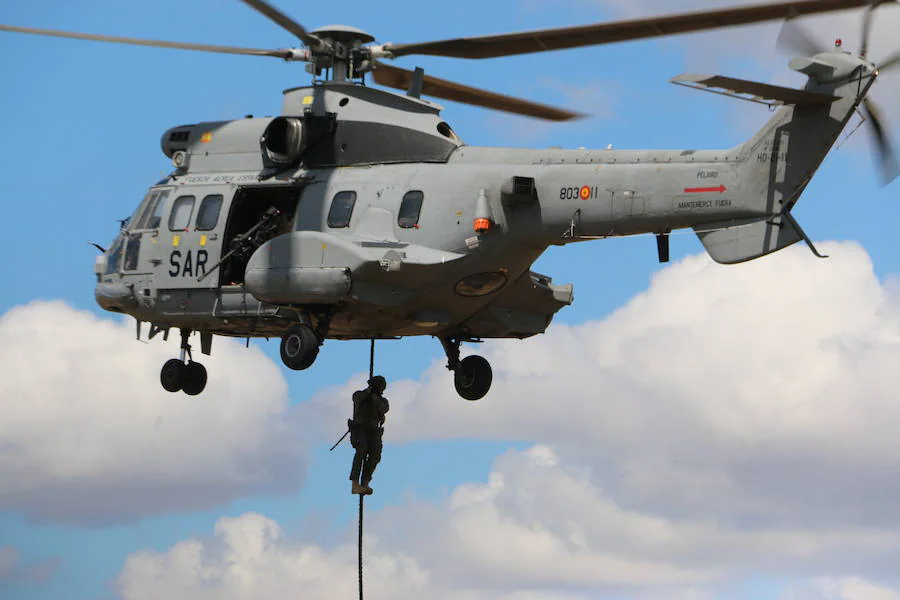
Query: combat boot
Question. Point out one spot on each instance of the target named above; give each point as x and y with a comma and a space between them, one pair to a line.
355, 488
367, 489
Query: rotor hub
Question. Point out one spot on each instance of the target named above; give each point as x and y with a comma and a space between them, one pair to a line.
340, 52
344, 34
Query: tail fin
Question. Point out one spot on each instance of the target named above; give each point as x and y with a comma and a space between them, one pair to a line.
780, 160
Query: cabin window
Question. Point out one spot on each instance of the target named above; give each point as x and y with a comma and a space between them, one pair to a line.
208, 215
180, 217
341, 209
410, 209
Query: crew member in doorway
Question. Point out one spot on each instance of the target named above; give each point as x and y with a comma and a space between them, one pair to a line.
366, 429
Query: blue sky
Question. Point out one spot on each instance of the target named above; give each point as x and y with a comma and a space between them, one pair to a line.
81, 127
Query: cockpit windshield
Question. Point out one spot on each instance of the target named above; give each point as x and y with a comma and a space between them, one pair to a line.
149, 213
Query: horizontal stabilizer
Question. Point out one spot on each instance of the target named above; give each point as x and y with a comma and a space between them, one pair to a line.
753, 91
730, 243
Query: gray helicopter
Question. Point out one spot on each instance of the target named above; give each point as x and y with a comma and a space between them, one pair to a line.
360, 214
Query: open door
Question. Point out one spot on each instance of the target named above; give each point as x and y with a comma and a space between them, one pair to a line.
257, 214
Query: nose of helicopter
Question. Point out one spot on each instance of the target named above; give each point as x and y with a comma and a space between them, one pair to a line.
114, 297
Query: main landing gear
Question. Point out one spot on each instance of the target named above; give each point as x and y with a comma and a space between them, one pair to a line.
178, 375
472, 376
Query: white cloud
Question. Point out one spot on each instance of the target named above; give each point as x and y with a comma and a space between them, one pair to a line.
249, 557
536, 529
728, 420
89, 436
487, 541
845, 588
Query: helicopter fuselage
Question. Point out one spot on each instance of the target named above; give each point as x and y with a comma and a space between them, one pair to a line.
401, 273
405, 272
361, 213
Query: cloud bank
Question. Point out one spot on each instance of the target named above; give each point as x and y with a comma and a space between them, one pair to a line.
87, 435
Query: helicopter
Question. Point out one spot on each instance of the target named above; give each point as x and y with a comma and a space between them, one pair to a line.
359, 213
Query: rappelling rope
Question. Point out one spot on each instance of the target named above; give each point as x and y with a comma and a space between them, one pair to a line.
362, 496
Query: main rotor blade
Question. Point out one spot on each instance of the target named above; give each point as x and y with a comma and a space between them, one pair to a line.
285, 22
604, 33
887, 158
397, 78
154, 43
793, 39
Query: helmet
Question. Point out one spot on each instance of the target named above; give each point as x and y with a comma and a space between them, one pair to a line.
379, 382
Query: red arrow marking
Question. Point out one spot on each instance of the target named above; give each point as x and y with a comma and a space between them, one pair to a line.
721, 189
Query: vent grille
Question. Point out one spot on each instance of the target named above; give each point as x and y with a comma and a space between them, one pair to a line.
523, 186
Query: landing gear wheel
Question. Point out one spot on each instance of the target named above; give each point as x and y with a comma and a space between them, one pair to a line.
299, 347
473, 377
193, 378
172, 375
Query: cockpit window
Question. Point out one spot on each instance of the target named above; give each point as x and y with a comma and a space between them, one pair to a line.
341, 209
149, 214
180, 217
141, 212
208, 215
156, 213
114, 257
410, 208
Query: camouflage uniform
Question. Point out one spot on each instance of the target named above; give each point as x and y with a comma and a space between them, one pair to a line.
366, 430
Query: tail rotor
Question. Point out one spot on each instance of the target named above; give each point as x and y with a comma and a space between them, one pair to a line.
796, 40
891, 62
867, 26
884, 149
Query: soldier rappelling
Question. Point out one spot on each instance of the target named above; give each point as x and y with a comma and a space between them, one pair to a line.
366, 430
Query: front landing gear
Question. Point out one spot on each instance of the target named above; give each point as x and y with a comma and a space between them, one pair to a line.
177, 375
472, 376
299, 347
